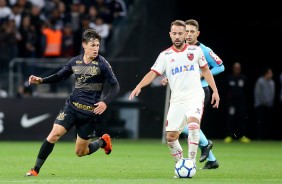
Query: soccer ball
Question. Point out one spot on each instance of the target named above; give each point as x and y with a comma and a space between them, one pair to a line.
185, 168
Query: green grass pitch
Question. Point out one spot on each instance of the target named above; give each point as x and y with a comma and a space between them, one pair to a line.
141, 161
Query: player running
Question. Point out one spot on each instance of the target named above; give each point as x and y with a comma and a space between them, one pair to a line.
84, 105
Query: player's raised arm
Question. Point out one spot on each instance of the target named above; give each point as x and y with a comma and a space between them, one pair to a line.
147, 79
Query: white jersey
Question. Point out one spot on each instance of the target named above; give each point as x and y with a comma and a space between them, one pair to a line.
182, 69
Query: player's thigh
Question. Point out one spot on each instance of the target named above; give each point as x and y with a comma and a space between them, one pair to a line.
56, 132
175, 118
86, 125
66, 117
194, 110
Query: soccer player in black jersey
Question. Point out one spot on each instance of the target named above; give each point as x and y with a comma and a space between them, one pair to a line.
81, 109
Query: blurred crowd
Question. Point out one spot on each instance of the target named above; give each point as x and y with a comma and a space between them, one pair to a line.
53, 28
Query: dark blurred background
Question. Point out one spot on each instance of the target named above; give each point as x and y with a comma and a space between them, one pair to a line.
236, 32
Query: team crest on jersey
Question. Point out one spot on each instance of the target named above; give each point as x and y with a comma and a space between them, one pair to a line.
93, 70
61, 116
78, 62
190, 56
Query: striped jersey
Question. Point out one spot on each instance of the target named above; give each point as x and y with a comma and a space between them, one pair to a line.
89, 79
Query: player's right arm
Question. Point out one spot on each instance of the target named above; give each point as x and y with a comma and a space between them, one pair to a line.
50, 79
157, 69
34, 80
147, 79
63, 74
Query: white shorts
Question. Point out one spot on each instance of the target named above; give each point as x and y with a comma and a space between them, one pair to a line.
179, 113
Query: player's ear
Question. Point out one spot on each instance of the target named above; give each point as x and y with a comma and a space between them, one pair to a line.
83, 45
170, 35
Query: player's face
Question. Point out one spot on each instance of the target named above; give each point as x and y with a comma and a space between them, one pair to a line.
192, 34
91, 49
177, 35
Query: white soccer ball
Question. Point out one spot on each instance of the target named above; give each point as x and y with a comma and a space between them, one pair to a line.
185, 168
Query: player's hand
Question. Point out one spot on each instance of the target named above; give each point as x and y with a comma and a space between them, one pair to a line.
134, 93
34, 80
100, 107
164, 81
215, 99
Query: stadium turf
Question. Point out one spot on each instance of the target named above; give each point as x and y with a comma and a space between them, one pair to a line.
141, 161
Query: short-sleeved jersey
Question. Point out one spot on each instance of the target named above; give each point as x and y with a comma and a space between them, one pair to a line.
182, 69
89, 80
213, 60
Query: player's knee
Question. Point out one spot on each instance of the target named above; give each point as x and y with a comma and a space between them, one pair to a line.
80, 152
170, 137
54, 137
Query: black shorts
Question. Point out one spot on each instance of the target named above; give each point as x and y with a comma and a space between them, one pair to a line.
207, 95
85, 124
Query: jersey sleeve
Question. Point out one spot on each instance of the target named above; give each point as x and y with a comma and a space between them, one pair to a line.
66, 71
108, 73
214, 61
202, 60
212, 58
159, 65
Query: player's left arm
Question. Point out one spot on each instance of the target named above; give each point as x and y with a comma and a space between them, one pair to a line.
112, 80
209, 78
110, 77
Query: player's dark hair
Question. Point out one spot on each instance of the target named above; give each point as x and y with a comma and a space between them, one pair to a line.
193, 22
90, 34
178, 23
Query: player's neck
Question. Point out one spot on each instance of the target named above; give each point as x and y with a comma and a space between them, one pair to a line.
87, 59
192, 43
179, 48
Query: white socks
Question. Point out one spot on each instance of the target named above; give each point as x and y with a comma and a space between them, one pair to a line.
193, 140
175, 150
